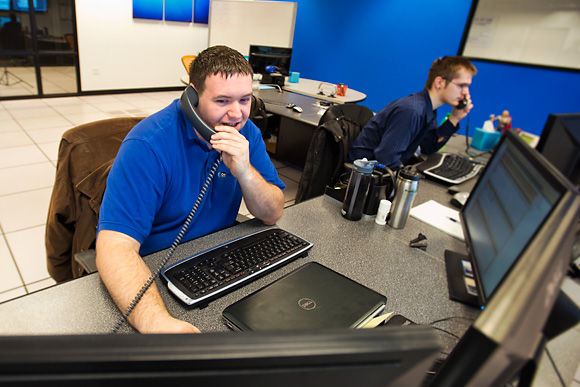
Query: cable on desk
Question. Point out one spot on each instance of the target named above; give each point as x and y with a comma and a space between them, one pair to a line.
555, 367
448, 319
452, 318
467, 135
174, 245
449, 333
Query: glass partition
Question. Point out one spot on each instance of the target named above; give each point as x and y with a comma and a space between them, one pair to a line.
38, 48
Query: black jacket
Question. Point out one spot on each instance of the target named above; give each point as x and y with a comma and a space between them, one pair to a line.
328, 149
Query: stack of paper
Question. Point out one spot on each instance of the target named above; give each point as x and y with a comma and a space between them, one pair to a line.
439, 216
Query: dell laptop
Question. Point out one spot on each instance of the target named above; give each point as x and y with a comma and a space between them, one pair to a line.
310, 297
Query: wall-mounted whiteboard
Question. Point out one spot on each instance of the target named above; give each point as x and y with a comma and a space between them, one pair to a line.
536, 32
238, 24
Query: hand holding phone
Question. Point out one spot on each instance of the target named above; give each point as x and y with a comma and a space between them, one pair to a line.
462, 104
189, 101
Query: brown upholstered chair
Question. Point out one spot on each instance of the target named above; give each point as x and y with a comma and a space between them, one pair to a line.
85, 156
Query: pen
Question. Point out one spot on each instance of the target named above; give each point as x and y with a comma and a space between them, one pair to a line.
453, 220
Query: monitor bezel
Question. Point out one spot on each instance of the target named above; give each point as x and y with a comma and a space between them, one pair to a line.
563, 119
509, 332
286, 358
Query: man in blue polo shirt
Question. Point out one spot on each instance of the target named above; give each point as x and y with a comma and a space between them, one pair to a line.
159, 172
393, 135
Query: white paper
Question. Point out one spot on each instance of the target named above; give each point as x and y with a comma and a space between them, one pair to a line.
439, 216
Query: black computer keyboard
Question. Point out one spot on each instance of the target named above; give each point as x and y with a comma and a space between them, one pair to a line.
277, 103
450, 168
203, 277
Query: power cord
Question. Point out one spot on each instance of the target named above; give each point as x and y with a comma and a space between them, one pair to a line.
554, 365
448, 319
451, 318
174, 245
467, 136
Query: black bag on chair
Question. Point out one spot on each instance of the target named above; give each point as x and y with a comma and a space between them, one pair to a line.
336, 131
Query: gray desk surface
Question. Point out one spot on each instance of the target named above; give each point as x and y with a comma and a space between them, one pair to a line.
310, 87
378, 256
276, 102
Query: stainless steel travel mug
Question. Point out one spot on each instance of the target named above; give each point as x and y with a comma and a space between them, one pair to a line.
406, 188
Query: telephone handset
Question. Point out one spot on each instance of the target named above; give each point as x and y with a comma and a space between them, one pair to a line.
189, 101
462, 104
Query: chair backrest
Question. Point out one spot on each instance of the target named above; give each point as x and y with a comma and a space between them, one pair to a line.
336, 131
258, 114
186, 60
70, 40
85, 156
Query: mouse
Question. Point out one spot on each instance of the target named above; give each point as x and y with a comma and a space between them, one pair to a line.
459, 199
297, 109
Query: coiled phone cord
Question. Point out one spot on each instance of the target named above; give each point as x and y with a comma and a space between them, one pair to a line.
174, 245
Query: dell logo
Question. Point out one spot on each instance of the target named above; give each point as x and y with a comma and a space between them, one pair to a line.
306, 303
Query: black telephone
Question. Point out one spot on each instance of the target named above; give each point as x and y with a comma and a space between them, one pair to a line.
462, 104
189, 101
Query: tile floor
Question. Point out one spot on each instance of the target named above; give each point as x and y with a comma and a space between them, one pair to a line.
21, 80
30, 131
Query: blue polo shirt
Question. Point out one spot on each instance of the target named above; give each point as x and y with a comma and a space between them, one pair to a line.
393, 135
158, 174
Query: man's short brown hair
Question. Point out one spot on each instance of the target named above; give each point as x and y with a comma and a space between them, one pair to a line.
447, 68
217, 60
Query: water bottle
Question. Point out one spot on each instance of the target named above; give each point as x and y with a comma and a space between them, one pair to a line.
406, 188
358, 186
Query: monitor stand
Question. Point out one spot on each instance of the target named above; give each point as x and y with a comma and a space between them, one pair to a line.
457, 280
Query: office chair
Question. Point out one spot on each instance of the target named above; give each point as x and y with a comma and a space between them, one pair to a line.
186, 60
337, 129
70, 40
85, 156
259, 115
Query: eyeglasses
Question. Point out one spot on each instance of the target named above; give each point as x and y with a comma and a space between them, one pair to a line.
462, 86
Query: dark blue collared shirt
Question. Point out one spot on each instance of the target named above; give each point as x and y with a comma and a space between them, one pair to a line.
393, 135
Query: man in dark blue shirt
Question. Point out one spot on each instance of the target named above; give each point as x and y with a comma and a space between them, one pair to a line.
393, 135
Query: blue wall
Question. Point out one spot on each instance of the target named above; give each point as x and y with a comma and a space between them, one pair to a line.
384, 48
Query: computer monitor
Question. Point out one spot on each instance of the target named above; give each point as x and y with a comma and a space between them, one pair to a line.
560, 144
519, 224
262, 56
516, 196
4, 5
347, 357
